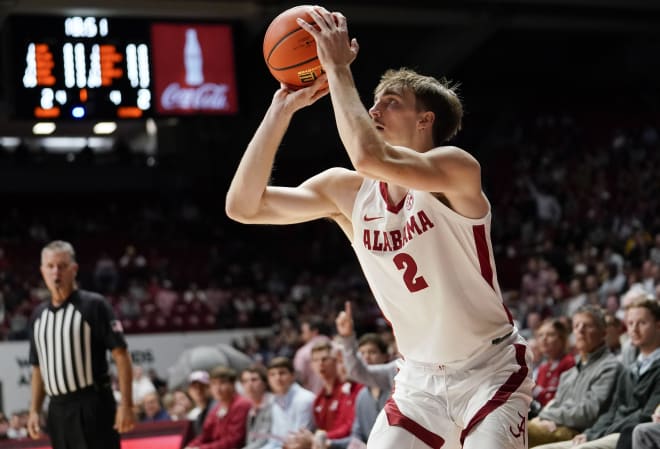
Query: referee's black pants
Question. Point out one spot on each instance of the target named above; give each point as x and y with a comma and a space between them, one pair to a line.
83, 420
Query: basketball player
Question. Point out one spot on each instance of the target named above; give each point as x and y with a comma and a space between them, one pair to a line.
419, 223
69, 339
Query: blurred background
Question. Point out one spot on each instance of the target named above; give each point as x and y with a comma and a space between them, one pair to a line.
105, 142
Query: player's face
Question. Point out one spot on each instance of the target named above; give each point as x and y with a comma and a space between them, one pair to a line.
280, 380
58, 270
643, 329
588, 336
395, 115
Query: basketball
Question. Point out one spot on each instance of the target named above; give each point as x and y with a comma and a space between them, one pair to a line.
290, 51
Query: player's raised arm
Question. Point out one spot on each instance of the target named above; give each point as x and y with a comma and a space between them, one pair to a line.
374, 139
250, 199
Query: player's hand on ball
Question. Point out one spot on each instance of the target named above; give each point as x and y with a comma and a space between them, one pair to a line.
298, 99
333, 46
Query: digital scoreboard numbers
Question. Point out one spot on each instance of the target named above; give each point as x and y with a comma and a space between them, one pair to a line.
81, 68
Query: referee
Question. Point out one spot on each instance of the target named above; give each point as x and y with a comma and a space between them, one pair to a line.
69, 337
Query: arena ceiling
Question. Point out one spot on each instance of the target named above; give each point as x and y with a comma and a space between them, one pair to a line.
439, 35
593, 13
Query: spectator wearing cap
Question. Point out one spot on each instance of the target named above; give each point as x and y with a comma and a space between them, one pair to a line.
198, 389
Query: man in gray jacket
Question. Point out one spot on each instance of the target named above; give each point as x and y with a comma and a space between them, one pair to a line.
585, 390
637, 391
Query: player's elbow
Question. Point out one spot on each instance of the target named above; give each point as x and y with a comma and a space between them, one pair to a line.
234, 210
366, 162
237, 210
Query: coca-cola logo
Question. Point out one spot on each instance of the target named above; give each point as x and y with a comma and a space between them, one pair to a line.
208, 96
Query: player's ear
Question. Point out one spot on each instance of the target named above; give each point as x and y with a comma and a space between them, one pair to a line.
426, 120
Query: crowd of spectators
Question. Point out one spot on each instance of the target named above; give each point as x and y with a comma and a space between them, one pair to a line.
575, 203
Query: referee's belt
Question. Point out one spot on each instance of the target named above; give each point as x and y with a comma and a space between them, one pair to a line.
91, 390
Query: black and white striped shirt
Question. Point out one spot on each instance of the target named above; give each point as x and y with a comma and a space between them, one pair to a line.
69, 343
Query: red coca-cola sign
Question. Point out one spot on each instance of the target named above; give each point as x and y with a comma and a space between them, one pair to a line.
193, 69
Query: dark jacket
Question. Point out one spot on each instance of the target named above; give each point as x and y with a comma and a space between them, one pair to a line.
635, 398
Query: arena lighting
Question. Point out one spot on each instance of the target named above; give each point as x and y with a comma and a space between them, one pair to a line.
105, 127
63, 144
43, 128
9, 142
150, 127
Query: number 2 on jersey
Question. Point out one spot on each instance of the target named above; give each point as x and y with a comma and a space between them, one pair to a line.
404, 261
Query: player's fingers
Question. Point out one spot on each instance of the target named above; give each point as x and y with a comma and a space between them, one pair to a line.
322, 17
320, 93
355, 47
311, 29
348, 309
340, 20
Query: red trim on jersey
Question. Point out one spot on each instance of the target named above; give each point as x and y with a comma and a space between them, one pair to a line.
394, 208
502, 395
483, 253
396, 418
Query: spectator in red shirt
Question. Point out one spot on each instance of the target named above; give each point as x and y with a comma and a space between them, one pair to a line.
225, 424
552, 337
334, 406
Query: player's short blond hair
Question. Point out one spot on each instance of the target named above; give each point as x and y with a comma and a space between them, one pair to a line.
438, 96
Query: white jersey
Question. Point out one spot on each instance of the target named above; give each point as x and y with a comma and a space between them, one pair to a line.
432, 273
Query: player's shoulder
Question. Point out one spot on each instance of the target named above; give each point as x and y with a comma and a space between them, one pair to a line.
343, 176
341, 173
454, 151
336, 180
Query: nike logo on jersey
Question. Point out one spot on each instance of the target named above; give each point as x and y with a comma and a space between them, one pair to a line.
365, 218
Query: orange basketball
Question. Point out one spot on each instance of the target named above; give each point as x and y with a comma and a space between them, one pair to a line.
290, 51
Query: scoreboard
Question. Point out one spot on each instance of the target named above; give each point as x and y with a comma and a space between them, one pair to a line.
74, 68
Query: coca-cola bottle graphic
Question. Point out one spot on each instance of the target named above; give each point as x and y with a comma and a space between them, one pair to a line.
192, 59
